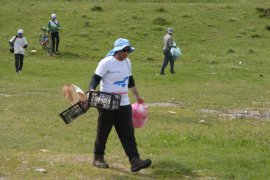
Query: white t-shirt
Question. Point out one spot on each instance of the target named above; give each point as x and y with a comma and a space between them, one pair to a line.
19, 44
115, 77
168, 42
53, 25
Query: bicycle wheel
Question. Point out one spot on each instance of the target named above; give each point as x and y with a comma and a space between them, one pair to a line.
40, 40
49, 46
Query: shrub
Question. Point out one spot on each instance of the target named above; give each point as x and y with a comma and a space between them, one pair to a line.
158, 29
263, 12
230, 50
161, 10
132, 27
136, 18
186, 16
232, 20
160, 21
86, 24
96, 8
255, 35
149, 59
228, 7
251, 51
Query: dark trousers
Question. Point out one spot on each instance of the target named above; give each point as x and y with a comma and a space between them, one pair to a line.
167, 58
19, 62
55, 39
122, 121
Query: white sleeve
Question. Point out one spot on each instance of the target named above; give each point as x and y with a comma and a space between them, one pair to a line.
129, 67
102, 68
25, 41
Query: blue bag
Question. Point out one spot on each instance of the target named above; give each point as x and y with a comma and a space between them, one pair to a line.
175, 51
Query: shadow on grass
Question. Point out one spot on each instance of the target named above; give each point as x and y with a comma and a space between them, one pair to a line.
70, 55
126, 173
171, 169
161, 169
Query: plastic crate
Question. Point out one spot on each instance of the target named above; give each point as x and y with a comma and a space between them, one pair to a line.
73, 112
104, 100
101, 100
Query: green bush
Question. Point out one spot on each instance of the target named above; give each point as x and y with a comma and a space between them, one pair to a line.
160, 21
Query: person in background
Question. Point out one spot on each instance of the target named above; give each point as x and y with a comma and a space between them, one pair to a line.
168, 44
18, 43
54, 27
114, 75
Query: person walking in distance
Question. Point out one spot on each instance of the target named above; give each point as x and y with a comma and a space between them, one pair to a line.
115, 68
18, 43
54, 27
168, 44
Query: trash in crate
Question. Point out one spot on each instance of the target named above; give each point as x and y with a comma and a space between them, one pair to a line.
73, 112
104, 100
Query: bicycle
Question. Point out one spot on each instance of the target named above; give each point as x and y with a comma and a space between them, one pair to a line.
45, 40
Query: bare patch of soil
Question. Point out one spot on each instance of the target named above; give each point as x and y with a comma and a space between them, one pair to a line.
165, 104
5, 95
21, 94
240, 113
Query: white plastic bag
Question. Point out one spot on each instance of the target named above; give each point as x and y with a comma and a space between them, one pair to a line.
73, 93
175, 51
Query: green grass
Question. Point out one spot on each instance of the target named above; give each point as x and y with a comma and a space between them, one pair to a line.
225, 66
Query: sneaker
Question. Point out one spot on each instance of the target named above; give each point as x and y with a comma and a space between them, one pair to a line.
173, 72
138, 164
99, 162
162, 73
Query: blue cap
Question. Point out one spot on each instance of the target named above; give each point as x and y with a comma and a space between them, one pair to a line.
120, 44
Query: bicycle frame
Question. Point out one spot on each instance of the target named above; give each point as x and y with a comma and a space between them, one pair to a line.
45, 41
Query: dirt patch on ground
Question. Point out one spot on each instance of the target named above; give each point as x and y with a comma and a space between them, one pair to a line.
240, 113
165, 104
22, 94
5, 95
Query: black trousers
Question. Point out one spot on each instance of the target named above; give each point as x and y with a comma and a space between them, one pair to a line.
55, 39
167, 58
122, 121
18, 62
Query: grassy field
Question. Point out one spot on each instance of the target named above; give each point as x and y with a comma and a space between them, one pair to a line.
220, 128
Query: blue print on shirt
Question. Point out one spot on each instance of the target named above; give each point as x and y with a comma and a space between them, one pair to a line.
121, 83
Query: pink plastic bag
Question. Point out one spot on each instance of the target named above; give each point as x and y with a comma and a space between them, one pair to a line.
139, 114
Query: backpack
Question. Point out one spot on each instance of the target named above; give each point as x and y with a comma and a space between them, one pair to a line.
11, 49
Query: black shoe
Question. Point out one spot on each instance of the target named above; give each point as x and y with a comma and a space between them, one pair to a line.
138, 164
99, 162
173, 72
162, 73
